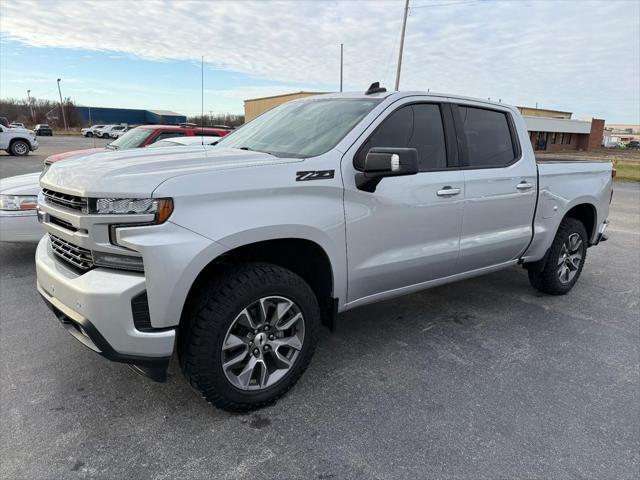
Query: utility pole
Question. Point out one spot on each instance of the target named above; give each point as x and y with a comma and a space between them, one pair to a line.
404, 28
30, 105
64, 117
341, 63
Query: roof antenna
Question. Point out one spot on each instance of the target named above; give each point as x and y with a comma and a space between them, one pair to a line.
375, 88
202, 101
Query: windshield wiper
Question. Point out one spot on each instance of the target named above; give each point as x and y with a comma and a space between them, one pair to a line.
248, 149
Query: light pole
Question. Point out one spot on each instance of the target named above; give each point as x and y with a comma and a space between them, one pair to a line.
341, 63
30, 105
404, 28
64, 118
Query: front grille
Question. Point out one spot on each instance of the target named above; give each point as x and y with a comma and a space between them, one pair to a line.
77, 256
65, 200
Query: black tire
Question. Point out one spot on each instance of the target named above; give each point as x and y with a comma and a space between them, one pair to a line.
19, 148
211, 312
8, 150
89, 134
544, 275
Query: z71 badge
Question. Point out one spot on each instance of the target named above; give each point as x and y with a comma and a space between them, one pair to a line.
314, 175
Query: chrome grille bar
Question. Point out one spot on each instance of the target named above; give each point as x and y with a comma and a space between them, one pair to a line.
77, 256
66, 200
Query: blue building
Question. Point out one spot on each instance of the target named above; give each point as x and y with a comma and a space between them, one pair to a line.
101, 115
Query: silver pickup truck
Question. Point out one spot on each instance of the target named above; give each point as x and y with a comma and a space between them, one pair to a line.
234, 255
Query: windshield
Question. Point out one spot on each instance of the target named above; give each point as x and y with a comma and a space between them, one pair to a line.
132, 139
304, 128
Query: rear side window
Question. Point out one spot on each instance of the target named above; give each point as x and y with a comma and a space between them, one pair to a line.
416, 126
163, 135
489, 141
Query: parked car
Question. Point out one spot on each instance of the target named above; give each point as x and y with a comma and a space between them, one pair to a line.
17, 124
18, 201
118, 131
234, 255
17, 140
633, 144
90, 131
43, 130
105, 132
178, 141
21, 224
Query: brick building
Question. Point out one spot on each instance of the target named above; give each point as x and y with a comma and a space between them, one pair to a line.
556, 131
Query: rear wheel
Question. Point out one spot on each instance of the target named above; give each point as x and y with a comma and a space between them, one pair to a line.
251, 334
560, 270
19, 148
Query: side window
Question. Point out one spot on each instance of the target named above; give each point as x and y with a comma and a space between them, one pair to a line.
488, 136
416, 126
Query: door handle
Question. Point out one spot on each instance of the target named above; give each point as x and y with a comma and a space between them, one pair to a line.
524, 185
448, 192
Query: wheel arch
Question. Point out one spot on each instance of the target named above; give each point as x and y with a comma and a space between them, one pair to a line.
306, 258
587, 214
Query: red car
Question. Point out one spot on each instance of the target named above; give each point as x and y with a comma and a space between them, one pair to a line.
143, 136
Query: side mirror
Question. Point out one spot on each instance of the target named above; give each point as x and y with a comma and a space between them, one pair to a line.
386, 162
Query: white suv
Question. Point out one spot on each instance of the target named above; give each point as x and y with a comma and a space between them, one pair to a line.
91, 131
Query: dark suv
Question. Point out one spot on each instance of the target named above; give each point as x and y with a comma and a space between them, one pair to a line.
43, 129
633, 144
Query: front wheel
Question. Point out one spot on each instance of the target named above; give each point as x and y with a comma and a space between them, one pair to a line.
560, 270
19, 148
89, 134
251, 333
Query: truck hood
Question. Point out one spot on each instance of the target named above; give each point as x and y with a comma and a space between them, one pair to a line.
20, 184
137, 172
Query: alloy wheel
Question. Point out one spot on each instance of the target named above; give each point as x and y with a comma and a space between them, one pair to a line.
263, 343
570, 258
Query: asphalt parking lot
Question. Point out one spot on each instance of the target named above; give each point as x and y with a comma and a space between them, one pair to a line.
10, 165
483, 379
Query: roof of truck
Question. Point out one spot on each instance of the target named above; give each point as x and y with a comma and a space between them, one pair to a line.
402, 94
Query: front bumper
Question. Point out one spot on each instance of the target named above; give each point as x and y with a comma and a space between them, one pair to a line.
34, 145
96, 309
20, 226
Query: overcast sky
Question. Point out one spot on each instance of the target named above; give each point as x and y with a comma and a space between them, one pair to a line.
581, 56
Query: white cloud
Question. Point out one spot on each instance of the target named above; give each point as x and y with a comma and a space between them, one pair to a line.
572, 55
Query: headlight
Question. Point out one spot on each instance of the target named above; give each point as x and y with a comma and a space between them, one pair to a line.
160, 207
18, 202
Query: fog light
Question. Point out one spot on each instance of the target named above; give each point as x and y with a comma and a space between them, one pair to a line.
121, 262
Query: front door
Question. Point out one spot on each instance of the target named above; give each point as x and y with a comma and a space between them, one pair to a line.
407, 231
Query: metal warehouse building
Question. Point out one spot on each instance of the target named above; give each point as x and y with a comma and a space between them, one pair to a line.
129, 116
549, 130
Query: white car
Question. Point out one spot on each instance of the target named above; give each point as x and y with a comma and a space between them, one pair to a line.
90, 131
105, 132
194, 140
17, 141
18, 214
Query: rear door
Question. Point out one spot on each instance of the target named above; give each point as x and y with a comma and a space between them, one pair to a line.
500, 187
407, 231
